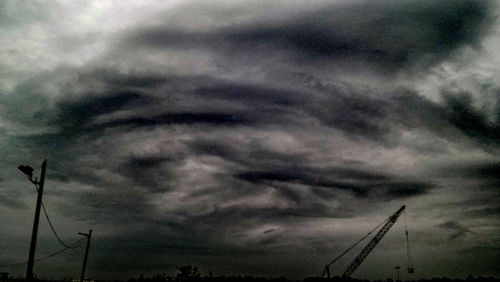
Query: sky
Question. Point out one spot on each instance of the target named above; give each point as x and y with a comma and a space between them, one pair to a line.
251, 137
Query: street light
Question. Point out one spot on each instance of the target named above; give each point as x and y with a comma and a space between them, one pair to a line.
28, 170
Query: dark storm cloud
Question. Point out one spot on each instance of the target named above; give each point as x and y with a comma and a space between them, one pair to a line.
457, 229
145, 163
473, 123
486, 256
12, 200
255, 106
361, 115
76, 116
263, 167
484, 171
152, 100
269, 231
360, 183
73, 118
489, 172
353, 114
493, 212
356, 114
388, 34
79, 114
249, 93
119, 205
152, 172
214, 119
253, 155
223, 137
456, 116
246, 216
128, 80
209, 100
241, 105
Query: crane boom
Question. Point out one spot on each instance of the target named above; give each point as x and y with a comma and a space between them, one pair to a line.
366, 251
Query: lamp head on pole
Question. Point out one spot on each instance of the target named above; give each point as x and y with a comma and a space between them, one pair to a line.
26, 169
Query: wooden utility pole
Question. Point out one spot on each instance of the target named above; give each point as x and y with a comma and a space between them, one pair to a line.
89, 235
34, 233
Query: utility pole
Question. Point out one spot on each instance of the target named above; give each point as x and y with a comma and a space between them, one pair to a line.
397, 267
34, 233
89, 235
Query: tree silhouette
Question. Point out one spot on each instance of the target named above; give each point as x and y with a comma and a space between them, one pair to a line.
187, 273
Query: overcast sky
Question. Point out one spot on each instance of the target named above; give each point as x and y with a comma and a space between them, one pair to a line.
252, 137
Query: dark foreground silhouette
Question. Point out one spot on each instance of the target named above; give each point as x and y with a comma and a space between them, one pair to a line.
191, 274
166, 278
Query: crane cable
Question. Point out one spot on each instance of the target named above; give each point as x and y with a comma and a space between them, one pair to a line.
410, 264
355, 244
74, 246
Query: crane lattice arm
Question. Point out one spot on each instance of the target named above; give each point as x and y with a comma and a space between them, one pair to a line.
366, 251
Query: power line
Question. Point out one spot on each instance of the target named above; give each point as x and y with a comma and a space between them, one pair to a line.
75, 245
51, 226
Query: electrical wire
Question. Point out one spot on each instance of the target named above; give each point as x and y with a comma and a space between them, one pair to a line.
79, 243
66, 246
50, 223
52, 228
75, 245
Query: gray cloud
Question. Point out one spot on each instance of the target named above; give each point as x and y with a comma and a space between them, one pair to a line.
77, 115
367, 185
12, 200
457, 229
256, 136
466, 118
386, 34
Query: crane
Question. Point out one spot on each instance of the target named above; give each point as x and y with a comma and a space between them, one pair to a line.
410, 264
389, 222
